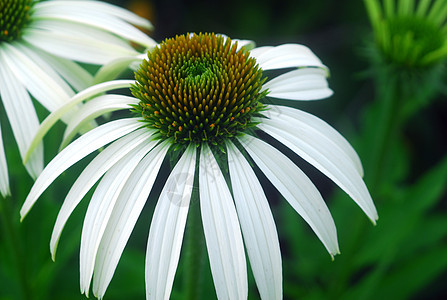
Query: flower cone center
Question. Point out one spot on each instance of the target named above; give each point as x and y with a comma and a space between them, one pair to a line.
14, 14
198, 88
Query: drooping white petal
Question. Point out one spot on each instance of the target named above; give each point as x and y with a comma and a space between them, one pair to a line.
46, 86
4, 179
128, 207
77, 150
301, 84
73, 73
222, 233
76, 47
329, 160
21, 115
91, 174
314, 126
100, 209
296, 188
82, 31
69, 105
103, 7
112, 69
167, 228
285, 56
93, 109
94, 18
257, 224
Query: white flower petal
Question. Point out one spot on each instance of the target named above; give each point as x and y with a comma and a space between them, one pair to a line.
69, 105
301, 84
21, 115
296, 188
257, 224
82, 31
112, 69
100, 209
94, 18
222, 233
314, 127
77, 150
168, 226
91, 174
330, 161
47, 87
285, 56
124, 216
93, 109
103, 7
4, 179
73, 73
76, 47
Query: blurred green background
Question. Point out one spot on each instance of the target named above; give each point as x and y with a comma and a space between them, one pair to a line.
403, 257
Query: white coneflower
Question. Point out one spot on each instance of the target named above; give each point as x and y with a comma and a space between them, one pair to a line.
38, 41
203, 96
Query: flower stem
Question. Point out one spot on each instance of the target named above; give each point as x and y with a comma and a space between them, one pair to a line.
194, 255
386, 131
12, 240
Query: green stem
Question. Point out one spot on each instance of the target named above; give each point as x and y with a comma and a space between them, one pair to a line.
388, 98
12, 239
194, 255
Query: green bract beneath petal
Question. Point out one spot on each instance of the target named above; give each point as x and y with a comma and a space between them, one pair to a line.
198, 88
14, 14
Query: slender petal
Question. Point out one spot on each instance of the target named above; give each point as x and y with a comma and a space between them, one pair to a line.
301, 84
329, 160
80, 148
285, 56
69, 105
103, 7
112, 69
74, 74
257, 224
296, 188
313, 126
93, 18
91, 174
168, 226
124, 216
97, 107
37, 80
75, 47
4, 179
82, 31
21, 115
101, 206
222, 233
